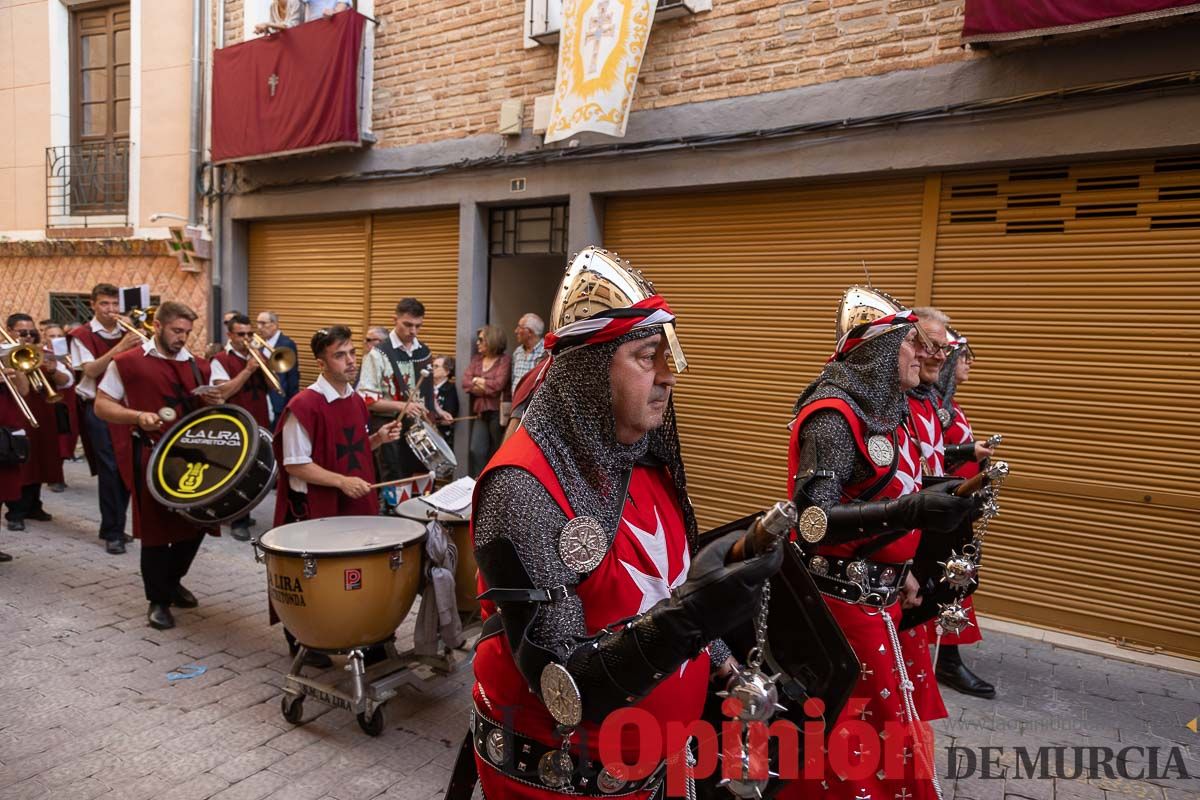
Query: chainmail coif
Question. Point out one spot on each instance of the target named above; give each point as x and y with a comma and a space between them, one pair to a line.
947, 382
867, 379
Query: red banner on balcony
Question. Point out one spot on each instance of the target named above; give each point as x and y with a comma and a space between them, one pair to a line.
294, 91
999, 20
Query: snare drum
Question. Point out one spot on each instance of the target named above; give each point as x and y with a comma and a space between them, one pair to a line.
459, 528
339, 583
429, 446
215, 465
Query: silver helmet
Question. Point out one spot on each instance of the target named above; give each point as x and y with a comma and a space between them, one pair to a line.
861, 304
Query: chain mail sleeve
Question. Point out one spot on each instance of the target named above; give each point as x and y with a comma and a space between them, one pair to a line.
516, 525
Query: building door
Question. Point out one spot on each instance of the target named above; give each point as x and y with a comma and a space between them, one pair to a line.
528, 253
100, 83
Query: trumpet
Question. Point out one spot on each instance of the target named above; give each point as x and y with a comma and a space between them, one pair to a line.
6, 352
280, 360
27, 358
141, 322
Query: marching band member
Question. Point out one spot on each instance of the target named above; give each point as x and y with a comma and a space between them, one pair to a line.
160, 374
325, 447
273, 337
67, 411
961, 450
397, 381
93, 346
241, 383
855, 471
14, 429
582, 521
44, 464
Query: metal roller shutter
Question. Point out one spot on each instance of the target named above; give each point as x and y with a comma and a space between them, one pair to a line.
415, 254
1080, 286
311, 273
755, 278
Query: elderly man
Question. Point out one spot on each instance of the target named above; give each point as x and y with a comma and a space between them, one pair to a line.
582, 521
530, 346
268, 329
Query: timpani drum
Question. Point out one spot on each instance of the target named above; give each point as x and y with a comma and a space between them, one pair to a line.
465, 583
214, 466
340, 583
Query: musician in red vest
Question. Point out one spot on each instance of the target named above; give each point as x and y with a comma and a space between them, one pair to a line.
93, 347
242, 383
14, 430
44, 464
160, 374
582, 521
325, 447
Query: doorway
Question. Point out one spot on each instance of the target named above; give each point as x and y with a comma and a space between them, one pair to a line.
527, 259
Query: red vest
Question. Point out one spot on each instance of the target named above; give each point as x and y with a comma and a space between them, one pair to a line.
152, 383
340, 443
649, 556
923, 423
12, 419
96, 344
253, 394
45, 463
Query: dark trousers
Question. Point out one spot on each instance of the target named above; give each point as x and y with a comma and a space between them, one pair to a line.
164, 566
394, 460
114, 497
30, 502
486, 435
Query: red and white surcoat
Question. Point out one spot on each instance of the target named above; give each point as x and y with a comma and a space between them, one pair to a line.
648, 557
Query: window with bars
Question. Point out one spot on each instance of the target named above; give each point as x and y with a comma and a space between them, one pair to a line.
528, 230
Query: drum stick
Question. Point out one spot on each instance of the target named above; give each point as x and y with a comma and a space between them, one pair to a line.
413, 479
464, 419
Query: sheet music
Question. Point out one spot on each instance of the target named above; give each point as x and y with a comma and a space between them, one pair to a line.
454, 498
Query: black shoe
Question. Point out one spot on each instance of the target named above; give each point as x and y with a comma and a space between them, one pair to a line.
39, 516
16, 525
183, 598
57, 488
160, 617
5, 557
961, 679
115, 547
240, 532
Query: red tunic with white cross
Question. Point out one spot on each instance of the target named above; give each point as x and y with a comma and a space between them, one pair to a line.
648, 557
923, 423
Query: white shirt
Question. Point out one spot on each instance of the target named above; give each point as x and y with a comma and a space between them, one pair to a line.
219, 373
377, 380
112, 385
273, 342
80, 355
297, 446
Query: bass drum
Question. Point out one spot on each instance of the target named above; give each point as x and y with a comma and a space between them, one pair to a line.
429, 446
459, 529
343, 582
214, 466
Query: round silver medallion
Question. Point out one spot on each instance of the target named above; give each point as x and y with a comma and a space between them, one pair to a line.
582, 544
608, 783
944, 417
887, 576
561, 695
555, 768
817, 565
497, 749
881, 451
856, 571
813, 523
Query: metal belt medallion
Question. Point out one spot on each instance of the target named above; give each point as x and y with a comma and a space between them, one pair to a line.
813, 524
496, 747
817, 565
561, 695
582, 544
555, 768
944, 417
608, 783
881, 450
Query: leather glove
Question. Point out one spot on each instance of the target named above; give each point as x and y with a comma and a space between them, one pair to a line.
935, 509
718, 597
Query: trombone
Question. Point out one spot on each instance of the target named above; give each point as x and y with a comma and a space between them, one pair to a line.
141, 322
6, 353
281, 360
27, 358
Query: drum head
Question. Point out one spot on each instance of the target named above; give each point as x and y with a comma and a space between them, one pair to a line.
331, 536
202, 457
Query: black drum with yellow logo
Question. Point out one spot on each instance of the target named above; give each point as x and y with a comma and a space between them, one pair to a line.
213, 466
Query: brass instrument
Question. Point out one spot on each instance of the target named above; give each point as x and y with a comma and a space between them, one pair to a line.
5, 352
281, 360
27, 358
141, 322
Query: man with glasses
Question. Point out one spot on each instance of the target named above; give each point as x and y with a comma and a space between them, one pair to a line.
241, 383
268, 329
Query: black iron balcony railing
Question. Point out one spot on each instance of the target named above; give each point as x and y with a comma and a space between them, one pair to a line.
84, 181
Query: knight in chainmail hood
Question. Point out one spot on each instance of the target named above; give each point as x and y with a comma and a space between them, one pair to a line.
854, 470
595, 596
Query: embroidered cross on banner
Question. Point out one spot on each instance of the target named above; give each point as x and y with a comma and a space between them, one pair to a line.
272, 82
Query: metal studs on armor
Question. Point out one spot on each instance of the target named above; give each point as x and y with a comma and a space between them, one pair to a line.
608, 783
813, 524
582, 544
944, 417
881, 450
817, 565
496, 747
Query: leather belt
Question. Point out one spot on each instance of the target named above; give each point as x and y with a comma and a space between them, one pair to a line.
858, 580
521, 759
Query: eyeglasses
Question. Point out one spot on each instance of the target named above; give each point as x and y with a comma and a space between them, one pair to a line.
26, 334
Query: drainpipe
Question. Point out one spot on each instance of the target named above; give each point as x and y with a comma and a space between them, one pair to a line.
218, 203
197, 109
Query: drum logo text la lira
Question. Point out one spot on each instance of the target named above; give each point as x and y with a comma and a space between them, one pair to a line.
287, 590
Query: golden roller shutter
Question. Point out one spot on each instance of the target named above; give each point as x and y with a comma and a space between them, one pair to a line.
311, 273
755, 278
415, 254
1080, 287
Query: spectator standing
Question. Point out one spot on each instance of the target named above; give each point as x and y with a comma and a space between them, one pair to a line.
530, 347
485, 380
268, 329
282, 14
316, 9
445, 397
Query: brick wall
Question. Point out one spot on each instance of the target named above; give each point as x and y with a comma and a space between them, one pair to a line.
441, 69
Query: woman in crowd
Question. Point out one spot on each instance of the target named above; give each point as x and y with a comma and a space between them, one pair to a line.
484, 380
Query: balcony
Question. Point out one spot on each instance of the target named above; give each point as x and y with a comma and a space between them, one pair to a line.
543, 18
87, 187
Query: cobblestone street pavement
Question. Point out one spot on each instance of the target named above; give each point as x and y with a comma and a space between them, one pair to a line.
87, 709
